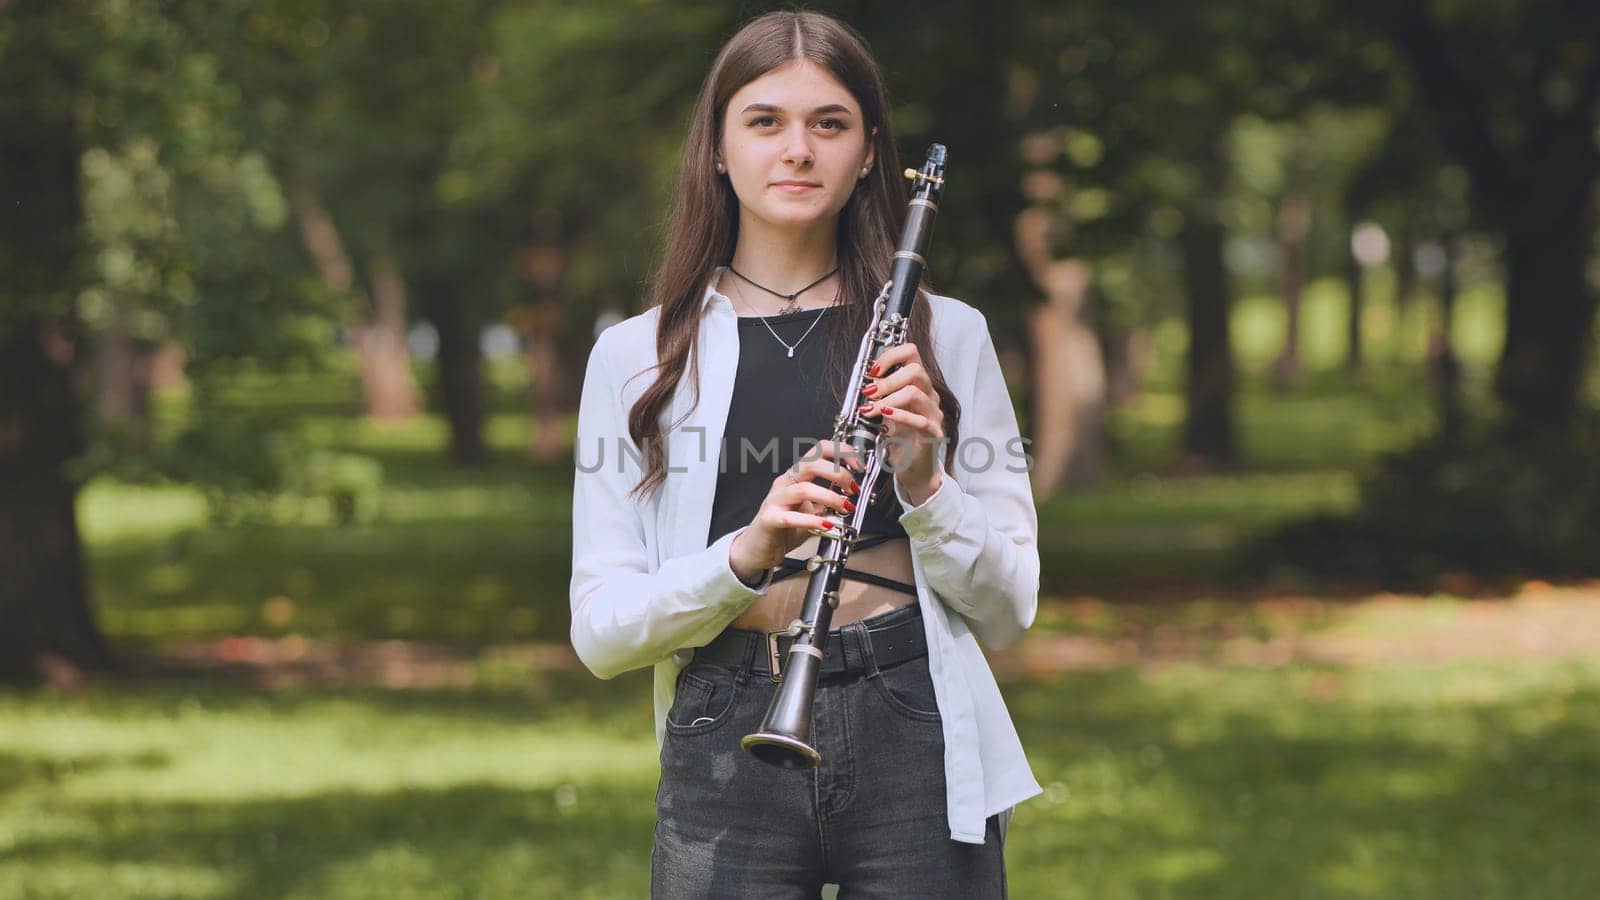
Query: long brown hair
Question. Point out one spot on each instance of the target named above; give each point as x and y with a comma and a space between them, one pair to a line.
705, 217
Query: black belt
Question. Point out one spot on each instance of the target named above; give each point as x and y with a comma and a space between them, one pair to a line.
764, 652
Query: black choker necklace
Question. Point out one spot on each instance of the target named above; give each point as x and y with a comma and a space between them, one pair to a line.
793, 303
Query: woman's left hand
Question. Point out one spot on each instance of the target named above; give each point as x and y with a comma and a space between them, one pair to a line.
899, 388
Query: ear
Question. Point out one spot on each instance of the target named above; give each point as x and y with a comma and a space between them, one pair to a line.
872, 149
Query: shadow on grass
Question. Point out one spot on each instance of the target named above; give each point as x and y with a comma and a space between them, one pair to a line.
19, 771
459, 555
568, 698
472, 840
84, 824
1471, 781
1170, 794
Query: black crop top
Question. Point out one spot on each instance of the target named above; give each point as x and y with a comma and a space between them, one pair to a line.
780, 409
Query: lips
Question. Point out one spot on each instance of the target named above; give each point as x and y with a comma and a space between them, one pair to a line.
796, 187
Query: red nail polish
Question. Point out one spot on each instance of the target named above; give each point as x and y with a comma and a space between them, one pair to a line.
888, 410
870, 390
849, 507
865, 410
874, 370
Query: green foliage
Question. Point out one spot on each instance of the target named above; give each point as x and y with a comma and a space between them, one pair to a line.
350, 483
252, 472
1498, 504
240, 463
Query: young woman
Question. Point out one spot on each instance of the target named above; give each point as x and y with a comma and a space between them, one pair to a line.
704, 462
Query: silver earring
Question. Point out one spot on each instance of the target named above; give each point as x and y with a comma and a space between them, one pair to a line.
721, 169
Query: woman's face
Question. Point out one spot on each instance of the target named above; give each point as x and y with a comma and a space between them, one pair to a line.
794, 144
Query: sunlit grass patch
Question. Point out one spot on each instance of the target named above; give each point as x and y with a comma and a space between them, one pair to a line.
1393, 781
1187, 780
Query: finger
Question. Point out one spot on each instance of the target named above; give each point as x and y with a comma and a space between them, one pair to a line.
912, 374
837, 457
888, 359
788, 518
913, 399
905, 420
912, 413
842, 481
822, 496
820, 450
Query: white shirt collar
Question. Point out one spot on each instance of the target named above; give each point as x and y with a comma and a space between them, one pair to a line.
712, 295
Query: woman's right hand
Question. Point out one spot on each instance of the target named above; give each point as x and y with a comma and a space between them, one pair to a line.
794, 506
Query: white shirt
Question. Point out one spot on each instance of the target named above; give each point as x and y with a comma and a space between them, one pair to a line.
646, 590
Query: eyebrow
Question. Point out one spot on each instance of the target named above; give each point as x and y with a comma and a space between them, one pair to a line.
830, 108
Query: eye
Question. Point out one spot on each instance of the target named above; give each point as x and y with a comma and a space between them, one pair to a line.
763, 122
831, 125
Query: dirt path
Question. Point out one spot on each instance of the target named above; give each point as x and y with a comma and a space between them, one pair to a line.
1539, 620
1072, 633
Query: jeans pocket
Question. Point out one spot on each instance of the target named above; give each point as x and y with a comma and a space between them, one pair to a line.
907, 688
704, 699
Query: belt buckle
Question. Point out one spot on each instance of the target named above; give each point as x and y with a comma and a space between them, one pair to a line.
774, 658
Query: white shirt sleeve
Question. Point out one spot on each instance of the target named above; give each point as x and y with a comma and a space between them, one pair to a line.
977, 536
623, 615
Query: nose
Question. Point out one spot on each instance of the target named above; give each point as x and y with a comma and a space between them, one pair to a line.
797, 150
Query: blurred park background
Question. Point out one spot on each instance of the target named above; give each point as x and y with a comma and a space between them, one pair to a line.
1296, 299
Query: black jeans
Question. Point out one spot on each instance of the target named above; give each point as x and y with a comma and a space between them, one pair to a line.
870, 819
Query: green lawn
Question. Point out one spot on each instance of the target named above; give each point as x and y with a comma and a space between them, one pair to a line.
1460, 780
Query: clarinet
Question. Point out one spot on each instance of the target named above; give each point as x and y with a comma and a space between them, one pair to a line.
784, 736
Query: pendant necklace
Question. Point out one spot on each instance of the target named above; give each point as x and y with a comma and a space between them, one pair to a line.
786, 345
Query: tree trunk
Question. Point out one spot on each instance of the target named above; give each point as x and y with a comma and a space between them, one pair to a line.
1129, 357
1294, 221
1208, 438
1404, 259
122, 375
385, 360
1356, 289
543, 264
379, 337
1549, 313
1443, 364
1070, 387
1069, 384
544, 381
46, 627
460, 366
166, 366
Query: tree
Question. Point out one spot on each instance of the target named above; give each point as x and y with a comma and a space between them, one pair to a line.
91, 93
1513, 92
362, 110
1151, 94
45, 622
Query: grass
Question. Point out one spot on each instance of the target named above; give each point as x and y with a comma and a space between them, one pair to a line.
1468, 779
208, 790
1447, 781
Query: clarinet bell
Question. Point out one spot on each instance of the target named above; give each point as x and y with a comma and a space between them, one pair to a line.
784, 737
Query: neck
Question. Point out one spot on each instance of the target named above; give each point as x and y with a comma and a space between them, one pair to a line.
785, 261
